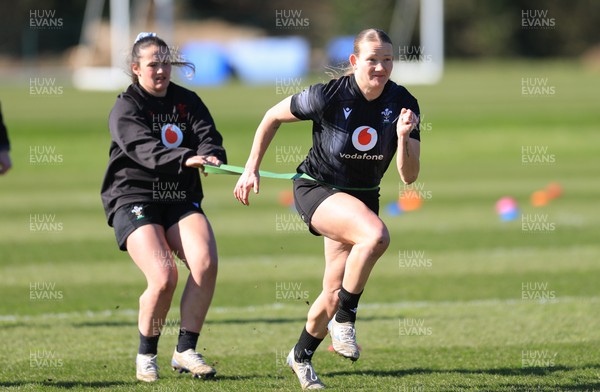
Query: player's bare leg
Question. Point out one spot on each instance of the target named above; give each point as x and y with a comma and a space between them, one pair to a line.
149, 250
193, 240
345, 219
325, 306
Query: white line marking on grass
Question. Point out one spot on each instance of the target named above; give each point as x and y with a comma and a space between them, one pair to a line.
280, 306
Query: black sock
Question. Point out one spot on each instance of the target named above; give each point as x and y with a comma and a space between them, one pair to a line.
187, 340
148, 344
306, 346
347, 307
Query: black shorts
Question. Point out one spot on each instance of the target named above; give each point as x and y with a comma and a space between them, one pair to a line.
134, 215
308, 195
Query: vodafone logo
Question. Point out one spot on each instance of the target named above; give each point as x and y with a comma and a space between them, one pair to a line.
171, 135
364, 138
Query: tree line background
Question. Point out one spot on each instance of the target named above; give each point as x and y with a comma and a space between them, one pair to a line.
473, 28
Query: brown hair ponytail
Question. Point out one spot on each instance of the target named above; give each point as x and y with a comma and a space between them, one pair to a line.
148, 39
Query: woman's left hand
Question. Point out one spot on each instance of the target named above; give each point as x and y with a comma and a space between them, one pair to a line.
407, 122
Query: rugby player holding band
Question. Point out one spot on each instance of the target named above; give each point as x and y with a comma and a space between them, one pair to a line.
161, 135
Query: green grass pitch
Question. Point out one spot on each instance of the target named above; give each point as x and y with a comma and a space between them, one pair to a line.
461, 301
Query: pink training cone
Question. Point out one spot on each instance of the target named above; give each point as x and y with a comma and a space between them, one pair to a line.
505, 205
507, 208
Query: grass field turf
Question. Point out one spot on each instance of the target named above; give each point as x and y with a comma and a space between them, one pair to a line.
458, 323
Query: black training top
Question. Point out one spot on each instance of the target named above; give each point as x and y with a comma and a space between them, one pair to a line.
4, 143
152, 137
354, 140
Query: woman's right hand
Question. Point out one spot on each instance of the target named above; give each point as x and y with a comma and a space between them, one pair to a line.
198, 161
248, 179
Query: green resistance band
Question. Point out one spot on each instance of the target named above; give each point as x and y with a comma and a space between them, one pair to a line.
230, 169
